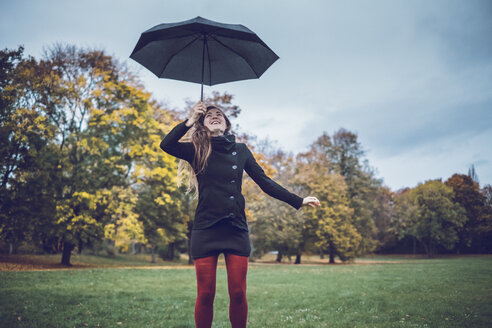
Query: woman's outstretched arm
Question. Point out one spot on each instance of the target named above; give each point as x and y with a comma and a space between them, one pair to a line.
272, 188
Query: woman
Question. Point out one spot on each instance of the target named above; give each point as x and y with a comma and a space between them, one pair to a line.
217, 164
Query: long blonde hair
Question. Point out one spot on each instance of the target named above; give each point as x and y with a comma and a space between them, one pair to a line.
200, 136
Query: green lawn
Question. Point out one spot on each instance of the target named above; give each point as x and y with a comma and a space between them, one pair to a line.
449, 292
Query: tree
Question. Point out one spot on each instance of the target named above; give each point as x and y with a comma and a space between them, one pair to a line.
25, 160
160, 201
467, 194
276, 226
124, 227
329, 227
433, 218
101, 113
487, 219
77, 125
487, 194
383, 209
401, 224
346, 156
473, 174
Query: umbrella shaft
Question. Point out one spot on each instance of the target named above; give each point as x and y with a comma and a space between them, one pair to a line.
203, 61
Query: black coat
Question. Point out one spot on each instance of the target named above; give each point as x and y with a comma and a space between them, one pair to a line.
219, 185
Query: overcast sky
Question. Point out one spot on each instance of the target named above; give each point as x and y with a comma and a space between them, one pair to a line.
413, 79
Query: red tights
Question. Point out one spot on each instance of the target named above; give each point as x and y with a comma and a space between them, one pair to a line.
206, 269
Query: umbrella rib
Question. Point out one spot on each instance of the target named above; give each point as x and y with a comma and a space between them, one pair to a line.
177, 52
226, 46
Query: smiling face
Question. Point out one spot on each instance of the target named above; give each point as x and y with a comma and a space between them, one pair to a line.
215, 121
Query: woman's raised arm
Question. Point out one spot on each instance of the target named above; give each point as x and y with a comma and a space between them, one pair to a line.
171, 145
183, 150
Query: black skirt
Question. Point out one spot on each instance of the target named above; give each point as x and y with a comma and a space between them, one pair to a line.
222, 237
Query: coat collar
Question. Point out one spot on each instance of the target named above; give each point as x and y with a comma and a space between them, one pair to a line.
224, 142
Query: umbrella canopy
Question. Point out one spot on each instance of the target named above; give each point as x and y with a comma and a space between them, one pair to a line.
203, 51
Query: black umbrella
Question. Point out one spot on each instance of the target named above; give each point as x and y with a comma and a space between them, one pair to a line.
203, 51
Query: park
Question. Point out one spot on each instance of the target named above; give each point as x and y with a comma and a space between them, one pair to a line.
150, 170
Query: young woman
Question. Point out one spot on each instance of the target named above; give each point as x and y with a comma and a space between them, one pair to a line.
216, 166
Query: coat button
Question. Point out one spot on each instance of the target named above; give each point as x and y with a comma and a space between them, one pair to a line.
232, 197
231, 214
232, 181
234, 153
234, 167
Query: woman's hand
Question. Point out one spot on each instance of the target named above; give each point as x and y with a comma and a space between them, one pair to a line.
311, 201
198, 109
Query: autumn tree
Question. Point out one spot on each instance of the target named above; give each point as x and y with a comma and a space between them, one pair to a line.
329, 227
79, 130
346, 155
274, 225
161, 204
99, 111
467, 194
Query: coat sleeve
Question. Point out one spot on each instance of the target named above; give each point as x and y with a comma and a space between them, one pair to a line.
266, 184
170, 144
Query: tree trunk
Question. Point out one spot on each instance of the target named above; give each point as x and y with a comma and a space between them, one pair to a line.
190, 259
188, 237
298, 258
67, 252
133, 246
433, 248
321, 255
11, 248
414, 245
426, 248
279, 257
251, 244
153, 254
170, 252
332, 253
81, 245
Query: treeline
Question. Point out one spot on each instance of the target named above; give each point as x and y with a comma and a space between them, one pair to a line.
81, 169
359, 215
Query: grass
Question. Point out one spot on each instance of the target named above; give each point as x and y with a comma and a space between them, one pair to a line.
446, 292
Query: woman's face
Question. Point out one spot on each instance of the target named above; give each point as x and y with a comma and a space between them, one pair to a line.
215, 122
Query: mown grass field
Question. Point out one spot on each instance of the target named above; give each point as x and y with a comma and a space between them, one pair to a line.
377, 292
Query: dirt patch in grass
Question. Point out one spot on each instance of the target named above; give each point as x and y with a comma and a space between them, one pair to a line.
38, 263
